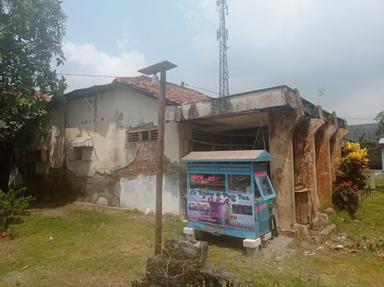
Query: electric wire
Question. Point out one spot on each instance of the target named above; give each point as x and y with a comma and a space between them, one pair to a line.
192, 86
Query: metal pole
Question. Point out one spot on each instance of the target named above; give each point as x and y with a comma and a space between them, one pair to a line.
160, 164
161, 68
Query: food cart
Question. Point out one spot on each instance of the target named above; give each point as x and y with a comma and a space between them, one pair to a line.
230, 193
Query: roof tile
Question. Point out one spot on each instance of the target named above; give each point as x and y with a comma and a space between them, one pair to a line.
174, 93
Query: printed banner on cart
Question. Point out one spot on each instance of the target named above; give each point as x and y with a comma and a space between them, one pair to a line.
208, 202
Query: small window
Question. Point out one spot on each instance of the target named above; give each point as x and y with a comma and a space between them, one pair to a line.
242, 209
257, 192
239, 183
142, 136
133, 136
213, 182
78, 154
153, 135
81, 153
145, 136
265, 185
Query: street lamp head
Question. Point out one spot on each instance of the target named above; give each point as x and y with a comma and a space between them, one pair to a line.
157, 68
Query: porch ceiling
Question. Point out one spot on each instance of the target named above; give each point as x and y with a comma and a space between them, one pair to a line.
233, 122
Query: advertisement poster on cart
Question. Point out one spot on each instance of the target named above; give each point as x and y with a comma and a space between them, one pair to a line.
209, 203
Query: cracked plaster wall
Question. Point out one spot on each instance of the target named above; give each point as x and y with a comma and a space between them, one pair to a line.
115, 172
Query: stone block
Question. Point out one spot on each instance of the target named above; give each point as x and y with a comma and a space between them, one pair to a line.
323, 218
329, 211
189, 233
329, 229
182, 263
301, 231
315, 223
187, 250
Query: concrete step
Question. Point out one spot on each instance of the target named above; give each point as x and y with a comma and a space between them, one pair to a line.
322, 234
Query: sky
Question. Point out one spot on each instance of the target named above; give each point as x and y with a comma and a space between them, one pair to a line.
331, 51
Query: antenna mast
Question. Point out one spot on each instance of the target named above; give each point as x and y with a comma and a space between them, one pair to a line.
222, 37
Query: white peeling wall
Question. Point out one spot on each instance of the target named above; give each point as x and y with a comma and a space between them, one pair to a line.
56, 139
106, 118
139, 193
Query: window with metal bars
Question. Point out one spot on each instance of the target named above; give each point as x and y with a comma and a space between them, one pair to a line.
142, 135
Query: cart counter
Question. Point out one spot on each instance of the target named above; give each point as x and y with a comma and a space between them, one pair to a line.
228, 193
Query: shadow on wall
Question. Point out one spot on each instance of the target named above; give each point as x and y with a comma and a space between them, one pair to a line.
52, 190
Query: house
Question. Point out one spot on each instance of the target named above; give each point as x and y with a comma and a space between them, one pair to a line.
369, 136
103, 141
363, 132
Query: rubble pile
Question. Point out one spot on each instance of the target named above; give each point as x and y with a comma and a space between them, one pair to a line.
184, 263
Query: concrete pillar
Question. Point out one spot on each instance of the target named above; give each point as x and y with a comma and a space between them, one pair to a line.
281, 128
336, 142
305, 157
324, 164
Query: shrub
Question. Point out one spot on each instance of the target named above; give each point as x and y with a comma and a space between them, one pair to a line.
346, 196
353, 165
13, 204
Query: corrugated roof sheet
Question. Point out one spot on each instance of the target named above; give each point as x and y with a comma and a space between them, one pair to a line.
174, 93
81, 142
233, 155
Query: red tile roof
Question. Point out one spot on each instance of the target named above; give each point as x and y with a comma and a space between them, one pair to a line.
174, 93
40, 96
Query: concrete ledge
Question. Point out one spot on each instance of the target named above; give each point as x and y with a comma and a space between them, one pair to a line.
301, 231
288, 232
252, 243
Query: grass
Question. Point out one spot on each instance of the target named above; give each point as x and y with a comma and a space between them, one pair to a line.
369, 218
102, 247
89, 248
380, 184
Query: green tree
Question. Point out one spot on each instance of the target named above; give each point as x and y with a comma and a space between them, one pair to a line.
380, 120
31, 34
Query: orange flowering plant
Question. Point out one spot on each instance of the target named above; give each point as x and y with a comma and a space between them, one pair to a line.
353, 165
351, 177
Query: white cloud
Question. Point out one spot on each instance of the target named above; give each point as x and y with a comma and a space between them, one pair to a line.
87, 59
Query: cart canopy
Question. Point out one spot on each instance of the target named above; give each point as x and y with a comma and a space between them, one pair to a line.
228, 156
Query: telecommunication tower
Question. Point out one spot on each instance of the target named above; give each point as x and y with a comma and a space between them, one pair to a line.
222, 37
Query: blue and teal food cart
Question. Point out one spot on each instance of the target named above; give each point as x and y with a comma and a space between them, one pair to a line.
229, 193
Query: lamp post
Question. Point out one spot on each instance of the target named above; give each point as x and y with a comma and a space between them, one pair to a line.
161, 68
